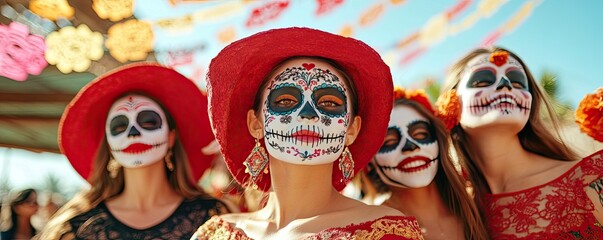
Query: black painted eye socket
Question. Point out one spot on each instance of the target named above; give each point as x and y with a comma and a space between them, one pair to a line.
392, 139
330, 101
482, 78
284, 99
149, 120
422, 132
518, 79
118, 124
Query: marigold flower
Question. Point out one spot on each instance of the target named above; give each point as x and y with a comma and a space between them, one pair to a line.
499, 58
589, 115
448, 108
414, 95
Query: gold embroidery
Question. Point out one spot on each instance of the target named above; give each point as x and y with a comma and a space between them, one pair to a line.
380, 228
217, 229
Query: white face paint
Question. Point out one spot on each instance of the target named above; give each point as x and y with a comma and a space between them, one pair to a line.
137, 131
409, 155
492, 94
306, 113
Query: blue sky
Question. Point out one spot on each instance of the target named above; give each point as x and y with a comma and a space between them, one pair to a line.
560, 36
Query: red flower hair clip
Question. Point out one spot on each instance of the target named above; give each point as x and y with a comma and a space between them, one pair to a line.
448, 108
414, 95
499, 58
589, 115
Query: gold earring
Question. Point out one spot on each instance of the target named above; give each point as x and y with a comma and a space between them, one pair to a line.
168, 160
256, 163
113, 167
346, 165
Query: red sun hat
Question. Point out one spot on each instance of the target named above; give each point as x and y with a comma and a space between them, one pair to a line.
82, 126
236, 73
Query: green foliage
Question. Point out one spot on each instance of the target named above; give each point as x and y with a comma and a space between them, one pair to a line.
563, 109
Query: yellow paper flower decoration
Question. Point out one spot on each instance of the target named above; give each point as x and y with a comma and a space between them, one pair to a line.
589, 115
52, 9
72, 49
131, 40
113, 10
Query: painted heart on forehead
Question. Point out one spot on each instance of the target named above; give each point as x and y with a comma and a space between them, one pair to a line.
306, 113
137, 131
494, 91
409, 155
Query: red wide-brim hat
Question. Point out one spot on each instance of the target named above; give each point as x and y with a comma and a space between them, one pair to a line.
82, 126
236, 73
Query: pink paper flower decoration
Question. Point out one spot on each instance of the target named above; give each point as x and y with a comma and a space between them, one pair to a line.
20, 52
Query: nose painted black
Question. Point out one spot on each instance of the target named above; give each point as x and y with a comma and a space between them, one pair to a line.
308, 112
504, 83
409, 146
133, 132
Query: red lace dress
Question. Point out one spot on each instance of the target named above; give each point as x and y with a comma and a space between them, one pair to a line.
385, 228
559, 209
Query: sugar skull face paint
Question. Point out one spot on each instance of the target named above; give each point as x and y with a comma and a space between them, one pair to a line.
409, 155
306, 113
494, 92
137, 131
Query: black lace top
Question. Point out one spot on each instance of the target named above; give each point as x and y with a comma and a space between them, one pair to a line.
99, 223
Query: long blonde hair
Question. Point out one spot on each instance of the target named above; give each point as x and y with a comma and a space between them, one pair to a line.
104, 187
535, 137
448, 181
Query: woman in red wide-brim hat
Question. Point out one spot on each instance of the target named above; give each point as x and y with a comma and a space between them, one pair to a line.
297, 112
135, 134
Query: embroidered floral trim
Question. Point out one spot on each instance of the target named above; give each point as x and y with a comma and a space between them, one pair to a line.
560, 209
399, 227
589, 115
218, 229
448, 108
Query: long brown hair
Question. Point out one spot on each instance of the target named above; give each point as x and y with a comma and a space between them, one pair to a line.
535, 136
448, 181
103, 187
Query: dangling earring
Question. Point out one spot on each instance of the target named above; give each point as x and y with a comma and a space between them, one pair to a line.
346, 165
168, 160
256, 163
113, 167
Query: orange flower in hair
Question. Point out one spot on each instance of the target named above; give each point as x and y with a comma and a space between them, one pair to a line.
589, 115
414, 95
499, 58
448, 108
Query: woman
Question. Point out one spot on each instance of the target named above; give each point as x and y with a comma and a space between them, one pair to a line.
414, 167
526, 182
132, 133
311, 114
17, 213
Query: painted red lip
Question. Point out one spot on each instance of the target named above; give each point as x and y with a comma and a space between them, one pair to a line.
403, 163
306, 136
137, 148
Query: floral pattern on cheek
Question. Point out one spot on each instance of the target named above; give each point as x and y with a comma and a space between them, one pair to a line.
326, 120
285, 119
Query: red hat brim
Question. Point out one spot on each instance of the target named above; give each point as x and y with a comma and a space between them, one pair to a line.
82, 126
236, 73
